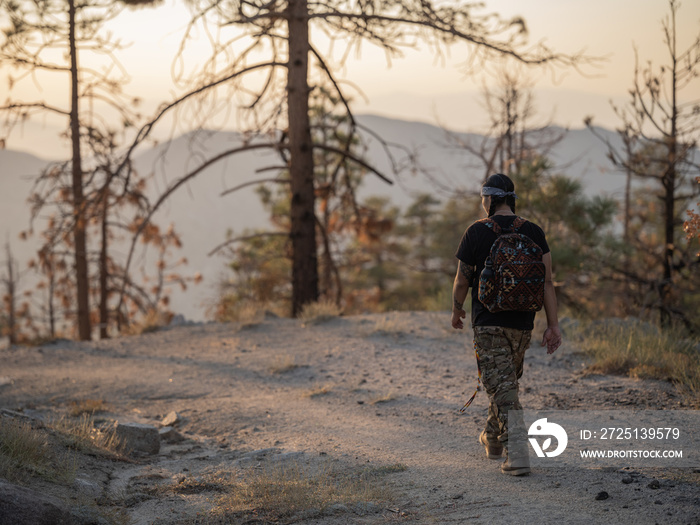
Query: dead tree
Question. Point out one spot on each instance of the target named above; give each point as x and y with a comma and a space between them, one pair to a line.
660, 137
36, 30
513, 138
281, 100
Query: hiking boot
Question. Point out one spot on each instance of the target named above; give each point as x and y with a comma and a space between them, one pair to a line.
518, 466
493, 450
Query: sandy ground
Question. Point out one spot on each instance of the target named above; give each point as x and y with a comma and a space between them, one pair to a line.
243, 392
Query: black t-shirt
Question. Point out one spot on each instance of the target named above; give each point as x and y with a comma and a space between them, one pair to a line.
473, 250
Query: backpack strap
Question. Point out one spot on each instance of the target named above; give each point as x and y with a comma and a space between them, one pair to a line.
491, 225
495, 227
518, 223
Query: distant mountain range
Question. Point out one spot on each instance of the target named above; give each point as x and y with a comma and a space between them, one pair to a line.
203, 217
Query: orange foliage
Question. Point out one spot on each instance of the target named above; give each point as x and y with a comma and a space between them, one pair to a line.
692, 225
372, 228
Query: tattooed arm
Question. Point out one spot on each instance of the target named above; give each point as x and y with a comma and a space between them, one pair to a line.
459, 293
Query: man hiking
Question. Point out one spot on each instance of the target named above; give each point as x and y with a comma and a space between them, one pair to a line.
505, 298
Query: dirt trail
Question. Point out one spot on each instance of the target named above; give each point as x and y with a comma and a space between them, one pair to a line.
389, 388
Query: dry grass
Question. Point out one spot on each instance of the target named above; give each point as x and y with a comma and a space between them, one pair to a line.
217, 483
315, 313
383, 470
88, 407
247, 312
639, 350
26, 451
250, 313
286, 493
294, 492
150, 322
82, 435
390, 324
283, 364
318, 391
383, 398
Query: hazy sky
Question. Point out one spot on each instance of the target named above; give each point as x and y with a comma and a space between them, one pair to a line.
415, 87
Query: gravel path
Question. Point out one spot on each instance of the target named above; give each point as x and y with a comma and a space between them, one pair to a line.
375, 390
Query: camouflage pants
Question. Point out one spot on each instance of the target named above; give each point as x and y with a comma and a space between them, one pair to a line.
501, 354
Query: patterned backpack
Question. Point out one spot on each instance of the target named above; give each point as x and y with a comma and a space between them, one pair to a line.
513, 278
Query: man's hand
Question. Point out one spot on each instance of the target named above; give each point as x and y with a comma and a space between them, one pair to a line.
457, 316
551, 338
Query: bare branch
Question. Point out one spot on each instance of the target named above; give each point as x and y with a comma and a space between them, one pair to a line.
173, 187
252, 183
32, 64
355, 159
39, 105
448, 29
146, 129
247, 238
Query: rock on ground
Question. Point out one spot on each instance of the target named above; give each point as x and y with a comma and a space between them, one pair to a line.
22, 506
137, 437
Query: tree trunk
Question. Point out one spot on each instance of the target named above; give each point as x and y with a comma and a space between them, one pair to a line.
79, 231
326, 276
669, 219
628, 204
104, 292
303, 221
52, 309
381, 284
11, 297
330, 276
669, 183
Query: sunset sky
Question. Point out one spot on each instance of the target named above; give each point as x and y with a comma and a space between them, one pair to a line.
415, 87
